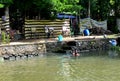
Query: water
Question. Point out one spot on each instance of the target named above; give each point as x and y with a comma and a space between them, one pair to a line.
97, 66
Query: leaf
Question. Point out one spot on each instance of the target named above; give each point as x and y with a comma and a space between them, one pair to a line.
1, 5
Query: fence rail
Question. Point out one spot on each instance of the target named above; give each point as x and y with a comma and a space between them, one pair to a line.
4, 24
36, 28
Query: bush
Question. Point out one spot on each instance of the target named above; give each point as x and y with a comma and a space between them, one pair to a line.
5, 37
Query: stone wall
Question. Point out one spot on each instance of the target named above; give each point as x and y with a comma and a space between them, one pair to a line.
28, 50
37, 48
80, 45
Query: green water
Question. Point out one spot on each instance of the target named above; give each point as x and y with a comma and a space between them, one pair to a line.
88, 67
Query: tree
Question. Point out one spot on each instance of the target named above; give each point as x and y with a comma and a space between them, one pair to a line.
66, 5
7, 2
43, 7
98, 9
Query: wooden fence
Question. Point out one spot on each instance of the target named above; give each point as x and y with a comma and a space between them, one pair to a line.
4, 24
36, 28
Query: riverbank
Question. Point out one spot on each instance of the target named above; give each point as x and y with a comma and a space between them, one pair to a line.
32, 41
36, 47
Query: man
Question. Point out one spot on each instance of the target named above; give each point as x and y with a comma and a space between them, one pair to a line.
75, 53
51, 30
47, 31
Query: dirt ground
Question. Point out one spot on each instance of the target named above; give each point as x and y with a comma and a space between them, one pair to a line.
30, 41
68, 38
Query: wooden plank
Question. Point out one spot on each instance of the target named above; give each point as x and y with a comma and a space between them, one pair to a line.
42, 25
36, 28
57, 20
45, 23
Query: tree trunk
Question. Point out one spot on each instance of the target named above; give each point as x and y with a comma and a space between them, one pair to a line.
7, 12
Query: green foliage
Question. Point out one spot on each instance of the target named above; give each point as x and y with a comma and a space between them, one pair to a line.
66, 5
117, 48
1, 5
112, 2
5, 37
112, 24
43, 4
6, 2
99, 9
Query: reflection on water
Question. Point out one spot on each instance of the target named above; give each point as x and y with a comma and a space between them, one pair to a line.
97, 66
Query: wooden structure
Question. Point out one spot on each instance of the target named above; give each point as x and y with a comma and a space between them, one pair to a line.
4, 24
35, 29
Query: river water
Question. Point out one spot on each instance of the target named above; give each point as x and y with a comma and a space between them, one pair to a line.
94, 66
